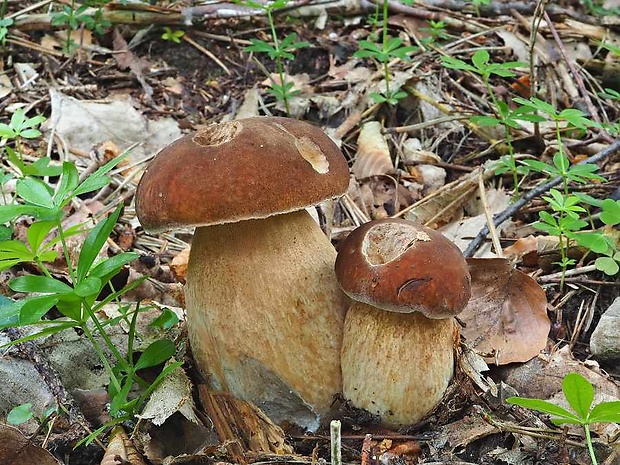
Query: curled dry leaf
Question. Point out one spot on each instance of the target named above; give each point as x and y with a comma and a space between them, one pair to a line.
121, 450
506, 319
179, 264
373, 154
17, 449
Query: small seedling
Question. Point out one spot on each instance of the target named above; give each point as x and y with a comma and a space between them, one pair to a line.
74, 18
171, 35
278, 50
579, 393
482, 66
389, 49
5, 24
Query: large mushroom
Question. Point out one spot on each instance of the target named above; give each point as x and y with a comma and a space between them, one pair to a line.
407, 282
264, 310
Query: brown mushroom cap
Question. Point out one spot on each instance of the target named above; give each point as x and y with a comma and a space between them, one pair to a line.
245, 169
399, 266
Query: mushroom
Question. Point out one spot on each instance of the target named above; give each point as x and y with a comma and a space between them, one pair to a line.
264, 310
407, 282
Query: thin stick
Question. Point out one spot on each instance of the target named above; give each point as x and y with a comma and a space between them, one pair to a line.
515, 207
487, 213
192, 42
335, 442
366, 446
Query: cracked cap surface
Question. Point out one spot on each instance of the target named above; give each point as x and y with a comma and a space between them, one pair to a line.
399, 266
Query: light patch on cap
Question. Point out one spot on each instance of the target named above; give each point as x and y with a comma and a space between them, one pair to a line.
217, 134
310, 152
386, 242
313, 154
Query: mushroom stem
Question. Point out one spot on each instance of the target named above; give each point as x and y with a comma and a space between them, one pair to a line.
396, 365
252, 332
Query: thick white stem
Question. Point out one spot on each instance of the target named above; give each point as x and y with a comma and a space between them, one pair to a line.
265, 314
396, 365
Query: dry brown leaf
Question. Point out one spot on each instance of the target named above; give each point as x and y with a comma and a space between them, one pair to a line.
121, 450
445, 204
373, 154
179, 264
506, 318
380, 196
16, 449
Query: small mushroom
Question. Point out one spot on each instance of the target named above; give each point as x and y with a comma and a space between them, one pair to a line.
407, 282
264, 310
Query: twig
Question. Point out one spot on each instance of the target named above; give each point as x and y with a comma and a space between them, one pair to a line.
515, 207
192, 42
489, 216
366, 445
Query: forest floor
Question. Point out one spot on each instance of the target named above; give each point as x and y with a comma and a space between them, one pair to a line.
474, 92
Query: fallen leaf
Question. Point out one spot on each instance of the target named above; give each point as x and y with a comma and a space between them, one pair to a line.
17, 449
506, 318
179, 264
173, 394
121, 447
373, 153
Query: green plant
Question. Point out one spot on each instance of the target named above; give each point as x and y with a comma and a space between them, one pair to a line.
278, 50
478, 3
504, 115
74, 17
22, 413
5, 24
78, 296
436, 31
579, 393
172, 35
567, 206
390, 48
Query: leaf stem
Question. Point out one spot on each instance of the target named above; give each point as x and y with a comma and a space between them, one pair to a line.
589, 443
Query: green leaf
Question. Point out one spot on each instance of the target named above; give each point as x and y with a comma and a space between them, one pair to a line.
594, 241
89, 287
97, 180
166, 320
112, 265
455, 63
156, 353
12, 212
94, 242
579, 393
37, 232
611, 212
39, 284
607, 265
557, 412
485, 120
20, 414
35, 192
605, 412
41, 168
9, 312
68, 182
480, 59
34, 308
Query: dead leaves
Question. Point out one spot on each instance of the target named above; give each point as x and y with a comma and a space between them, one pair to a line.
506, 318
17, 449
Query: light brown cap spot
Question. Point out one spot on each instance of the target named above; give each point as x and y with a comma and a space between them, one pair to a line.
240, 170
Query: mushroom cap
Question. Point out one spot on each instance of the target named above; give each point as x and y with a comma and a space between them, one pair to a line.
399, 266
245, 169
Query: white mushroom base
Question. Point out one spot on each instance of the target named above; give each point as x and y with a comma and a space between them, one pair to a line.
396, 365
265, 314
